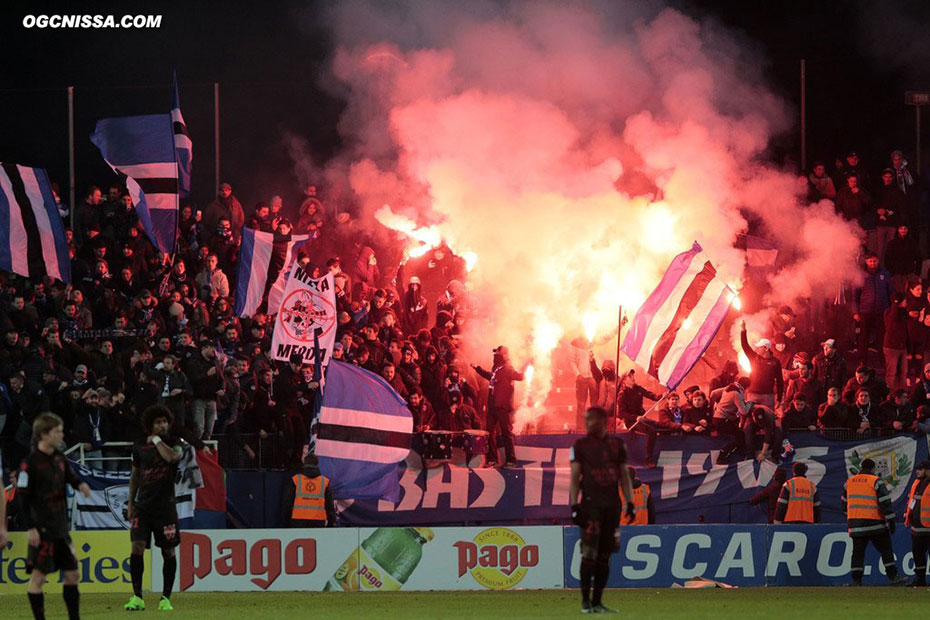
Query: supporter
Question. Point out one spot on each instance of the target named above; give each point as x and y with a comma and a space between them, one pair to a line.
212, 282
804, 383
871, 299
175, 388
868, 414
922, 421
580, 356
87, 214
762, 419
226, 206
207, 381
902, 174
455, 416
902, 258
667, 418
865, 379
852, 201
698, 414
920, 394
730, 411
367, 275
894, 345
799, 415
854, 166
421, 410
897, 414
767, 383
834, 413
886, 213
261, 219
630, 399
916, 306
389, 372
769, 494
500, 410
821, 182
606, 378
416, 308
433, 373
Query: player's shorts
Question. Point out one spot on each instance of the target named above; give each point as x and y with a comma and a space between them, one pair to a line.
50, 556
600, 528
162, 527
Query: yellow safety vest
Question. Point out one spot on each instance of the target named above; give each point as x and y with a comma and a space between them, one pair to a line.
309, 498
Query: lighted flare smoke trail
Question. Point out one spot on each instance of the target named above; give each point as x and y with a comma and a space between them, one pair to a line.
567, 187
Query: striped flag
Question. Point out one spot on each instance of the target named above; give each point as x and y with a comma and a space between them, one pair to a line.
142, 148
363, 432
265, 261
182, 143
676, 324
32, 235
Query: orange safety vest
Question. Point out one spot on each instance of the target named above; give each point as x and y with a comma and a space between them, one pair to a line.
861, 499
920, 521
800, 500
309, 498
640, 506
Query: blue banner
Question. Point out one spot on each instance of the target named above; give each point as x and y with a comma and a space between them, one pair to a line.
659, 556
687, 485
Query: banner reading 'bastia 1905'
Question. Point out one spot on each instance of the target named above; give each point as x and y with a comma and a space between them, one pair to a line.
308, 311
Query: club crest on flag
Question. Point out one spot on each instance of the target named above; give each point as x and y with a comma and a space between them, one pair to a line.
304, 311
117, 498
894, 461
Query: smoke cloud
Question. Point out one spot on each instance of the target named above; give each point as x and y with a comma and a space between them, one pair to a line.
574, 149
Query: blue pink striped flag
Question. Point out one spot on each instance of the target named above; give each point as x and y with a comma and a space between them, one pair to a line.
678, 321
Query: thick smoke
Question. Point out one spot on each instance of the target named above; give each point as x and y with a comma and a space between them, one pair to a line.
575, 149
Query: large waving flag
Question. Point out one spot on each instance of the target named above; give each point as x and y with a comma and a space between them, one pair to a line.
182, 143
363, 432
142, 149
265, 261
32, 235
676, 324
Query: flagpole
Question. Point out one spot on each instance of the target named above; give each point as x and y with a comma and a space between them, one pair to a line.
616, 411
71, 156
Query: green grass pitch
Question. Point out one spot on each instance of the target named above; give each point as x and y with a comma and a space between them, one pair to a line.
744, 604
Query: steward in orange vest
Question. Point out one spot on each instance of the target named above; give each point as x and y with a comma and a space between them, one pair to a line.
917, 516
644, 512
798, 501
870, 518
308, 498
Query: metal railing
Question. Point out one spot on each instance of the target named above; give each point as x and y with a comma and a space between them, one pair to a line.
78, 453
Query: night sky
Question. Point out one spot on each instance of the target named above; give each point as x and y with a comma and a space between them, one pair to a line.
861, 57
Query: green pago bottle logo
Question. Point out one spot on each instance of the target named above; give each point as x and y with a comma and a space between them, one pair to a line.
894, 461
384, 561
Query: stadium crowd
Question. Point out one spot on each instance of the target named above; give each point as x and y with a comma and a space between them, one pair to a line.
136, 327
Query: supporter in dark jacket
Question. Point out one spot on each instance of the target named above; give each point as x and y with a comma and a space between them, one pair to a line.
894, 345
870, 301
769, 494
853, 202
799, 415
630, 399
766, 385
902, 257
830, 366
420, 409
366, 276
867, 413
727, 376
835, 413
897, 413
698, 415
807, 384
865, 379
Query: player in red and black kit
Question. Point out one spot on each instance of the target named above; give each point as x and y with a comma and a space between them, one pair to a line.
152, 511
40, 489
599, 473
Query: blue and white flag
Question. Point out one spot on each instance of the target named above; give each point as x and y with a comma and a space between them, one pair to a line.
32, 235
142, 148
182, 143
364, 431
265, 261
105, 508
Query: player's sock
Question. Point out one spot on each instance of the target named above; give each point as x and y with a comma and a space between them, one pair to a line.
37, 602
72, 601
136, 568
168, 570
587, 573
601, 569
